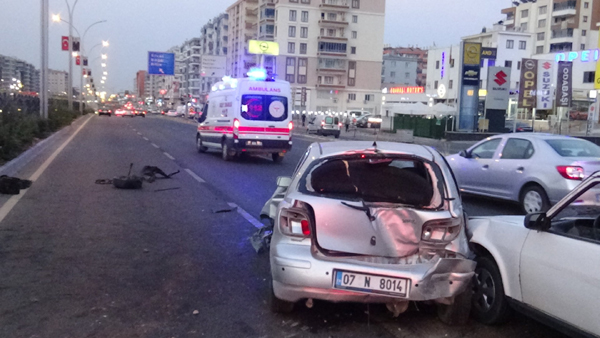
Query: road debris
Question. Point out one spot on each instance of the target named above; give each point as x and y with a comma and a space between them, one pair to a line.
12, 185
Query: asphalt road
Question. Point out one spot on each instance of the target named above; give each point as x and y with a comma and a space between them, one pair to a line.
78, 259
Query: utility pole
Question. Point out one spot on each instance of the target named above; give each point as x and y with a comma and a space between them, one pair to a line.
44, 64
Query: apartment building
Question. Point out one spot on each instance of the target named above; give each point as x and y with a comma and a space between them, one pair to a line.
214, 47
58, 82
139, 88
243, 27
557, 25
189, 68
399, 70
15, 72
412, 52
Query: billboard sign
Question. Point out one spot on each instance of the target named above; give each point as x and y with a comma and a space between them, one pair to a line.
161, 63
263, 47
498, 88
489, 53
407, 90
544, 85
213, 65
564, 90
472, 53
471, 75
528, 83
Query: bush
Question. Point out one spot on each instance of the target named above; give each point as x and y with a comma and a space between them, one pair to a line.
18, 130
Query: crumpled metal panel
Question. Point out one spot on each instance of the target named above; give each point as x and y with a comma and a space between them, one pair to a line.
398, 231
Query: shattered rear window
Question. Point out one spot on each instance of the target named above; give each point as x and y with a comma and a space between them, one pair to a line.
382, 179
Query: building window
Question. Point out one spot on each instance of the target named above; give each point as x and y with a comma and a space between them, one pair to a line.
291, 47
303, 48
305, 1
543, 9
510, 44
585, 18
354, 34
352, 50
304, 32
541, 36
435, 85
292, 32
437, 64
523, 45
450, 83
355, 19
304, 17
292, 15
328, 80
369, 97
582, 46
331, 16
293, 0
290, 70
539, 50
331, 32
508, 63
583, 32
589, 77
525, 13
451, 63
542, 23
302, 64
524, 27
586, 5
392, 74
351, 73
491, 62
351, 96
355, 3
518, 65
407, 75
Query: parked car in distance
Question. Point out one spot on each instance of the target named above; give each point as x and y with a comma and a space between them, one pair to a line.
325, 125
578, 115
372, 223
542, 264
374, 121
172, 113
509, 126
355, 115
533, 169
363, 121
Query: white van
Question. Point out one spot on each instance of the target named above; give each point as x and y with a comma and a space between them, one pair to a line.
325, 125
247, 116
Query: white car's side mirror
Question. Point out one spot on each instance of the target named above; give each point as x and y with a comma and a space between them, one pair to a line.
283, 181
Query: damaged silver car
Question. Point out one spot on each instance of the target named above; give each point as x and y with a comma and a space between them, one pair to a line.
372, 223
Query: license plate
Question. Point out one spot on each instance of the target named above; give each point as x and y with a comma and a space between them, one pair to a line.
347, 280
253, 143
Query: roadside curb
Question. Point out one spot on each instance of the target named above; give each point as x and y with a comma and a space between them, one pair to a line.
13, 166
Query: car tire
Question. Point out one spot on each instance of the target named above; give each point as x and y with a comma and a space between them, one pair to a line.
458, 312
277, 158
489, 304
199, 146
109, 115
279, 305
533, 198
225, 152
337, 135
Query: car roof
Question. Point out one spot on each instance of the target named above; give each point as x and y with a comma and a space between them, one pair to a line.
541, 136
338, 148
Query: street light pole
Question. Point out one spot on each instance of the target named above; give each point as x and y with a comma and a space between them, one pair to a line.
81, 64
70, 89
44, 65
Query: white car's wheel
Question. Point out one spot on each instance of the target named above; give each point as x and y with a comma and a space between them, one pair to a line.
489, 303
534, 199
199, 146
226, 153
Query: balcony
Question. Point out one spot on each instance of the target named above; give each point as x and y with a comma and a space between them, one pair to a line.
331, 85
565, 33
334, 4
332, 38
339, 23
568, 8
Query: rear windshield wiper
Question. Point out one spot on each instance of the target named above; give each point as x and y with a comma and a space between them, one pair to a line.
364, 208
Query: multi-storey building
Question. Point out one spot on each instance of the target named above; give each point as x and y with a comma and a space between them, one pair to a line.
189, 67
214, 48
139, 88
18, 74
399, 70
418, 53
243, 27
557, 25
58, 82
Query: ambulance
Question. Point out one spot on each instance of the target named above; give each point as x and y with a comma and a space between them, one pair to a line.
247, 116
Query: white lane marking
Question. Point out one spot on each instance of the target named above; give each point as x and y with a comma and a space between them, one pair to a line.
134, 129
169, 156
155, 146
10, 204
139, 133
247, 216
145, 138
196, 177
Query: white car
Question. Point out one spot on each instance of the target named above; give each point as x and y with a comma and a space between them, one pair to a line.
172, 112
544, 264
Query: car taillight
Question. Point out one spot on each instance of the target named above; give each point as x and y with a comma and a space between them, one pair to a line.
110, 111
236, 128
295, 222
340, 124
322, 123
570, 172
441, 230
291, 125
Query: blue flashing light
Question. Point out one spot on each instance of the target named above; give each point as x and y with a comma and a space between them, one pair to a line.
257, 74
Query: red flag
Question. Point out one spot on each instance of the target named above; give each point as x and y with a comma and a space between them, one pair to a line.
78, 60
65, 43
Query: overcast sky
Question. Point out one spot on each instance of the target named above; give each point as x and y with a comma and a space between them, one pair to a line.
135, 27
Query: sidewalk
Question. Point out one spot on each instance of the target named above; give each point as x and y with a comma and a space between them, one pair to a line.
365, 134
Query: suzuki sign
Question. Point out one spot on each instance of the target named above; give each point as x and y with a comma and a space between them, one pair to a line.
498, 88
544, 91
